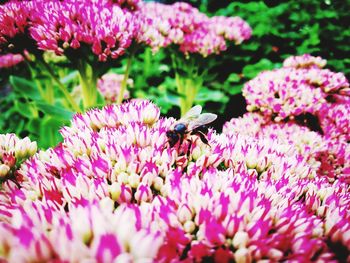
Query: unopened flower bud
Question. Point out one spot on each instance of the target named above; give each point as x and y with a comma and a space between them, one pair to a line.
242, 255
275, 254
189, 226
4, 170
115, 190
240, 239
196, 153
143, 193
134, 180
184, 213
123, 178
157, 183
150, 114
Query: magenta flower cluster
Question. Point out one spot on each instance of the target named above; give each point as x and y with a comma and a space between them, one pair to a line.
191, 30
114, 191
107, 28
303, 105
300, 87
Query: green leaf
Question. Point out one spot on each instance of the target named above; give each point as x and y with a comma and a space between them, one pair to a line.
235, 89
206, 94
25, 87
57, 112
250, 71
49, 132
26, 109
70, 77
233, 77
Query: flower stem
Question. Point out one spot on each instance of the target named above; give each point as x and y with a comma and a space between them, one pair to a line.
62, 88
87, 81
125, 80
187, 85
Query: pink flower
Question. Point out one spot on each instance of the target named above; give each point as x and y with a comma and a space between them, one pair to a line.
289, 92
67, 26
307, 143
183, 25
334, 120
10, 60
14, 20
115, 190
13, 150
109, 86
304, 61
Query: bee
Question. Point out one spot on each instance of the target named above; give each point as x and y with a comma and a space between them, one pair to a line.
193, 123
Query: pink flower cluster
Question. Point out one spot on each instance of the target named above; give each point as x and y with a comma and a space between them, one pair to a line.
302, 94
104, 28
109, 86
10, 60
304, 61
14, 18
107, 28
115, 191
13, 151
183, 25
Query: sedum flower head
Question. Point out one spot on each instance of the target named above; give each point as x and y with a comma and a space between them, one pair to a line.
14, 20
63, 27
308, 144
185, 26
109, 86
114, 190
293, 91
304, 61
334, 120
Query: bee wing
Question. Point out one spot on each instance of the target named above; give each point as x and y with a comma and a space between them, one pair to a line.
193, 113
203, 119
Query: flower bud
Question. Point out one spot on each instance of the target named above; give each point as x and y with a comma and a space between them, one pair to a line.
123, 178
184, 213
115, 190
157, 183
4, 170
9, 159
189, 226
196, 153
240, 240
143, 193
242, 255
134, 180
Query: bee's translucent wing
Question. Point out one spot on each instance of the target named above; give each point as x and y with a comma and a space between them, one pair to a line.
193, 113
203, 119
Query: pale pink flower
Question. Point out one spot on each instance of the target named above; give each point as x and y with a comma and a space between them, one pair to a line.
289, 92
109, 86
10, 60
304, 61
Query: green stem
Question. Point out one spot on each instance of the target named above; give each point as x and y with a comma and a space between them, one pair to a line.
125, 80
50, 95
62, 88
41, 91
147, 62
187, 86
88, 84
